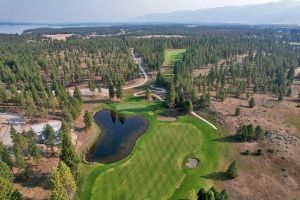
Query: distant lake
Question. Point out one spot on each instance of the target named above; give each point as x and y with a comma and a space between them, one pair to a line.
18, 29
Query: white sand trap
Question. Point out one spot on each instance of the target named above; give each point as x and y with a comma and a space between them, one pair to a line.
192, 163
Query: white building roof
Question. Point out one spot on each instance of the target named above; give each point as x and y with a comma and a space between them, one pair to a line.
39, 128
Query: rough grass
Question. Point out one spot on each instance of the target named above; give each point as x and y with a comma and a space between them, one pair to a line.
156, 168
294, 120
173, 55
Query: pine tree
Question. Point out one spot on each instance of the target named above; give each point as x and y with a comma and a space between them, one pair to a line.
111, 91
232, 170
68, 154
8, 191
33, 148
119, 90
92, 86
88, 119
6, 172
77, 95
189, 106
280, 96
49, 137
171, 96
237, 111
5, 155
63, 183
252, 103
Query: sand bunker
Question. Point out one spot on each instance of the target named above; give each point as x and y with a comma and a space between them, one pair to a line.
192, 163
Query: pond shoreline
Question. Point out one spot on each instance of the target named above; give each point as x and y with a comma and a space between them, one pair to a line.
119, 135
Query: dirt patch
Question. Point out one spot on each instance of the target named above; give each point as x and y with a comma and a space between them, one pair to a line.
273, 175
38, 185
166, 118
62, 37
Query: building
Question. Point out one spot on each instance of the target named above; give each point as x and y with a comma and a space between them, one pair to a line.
40, 128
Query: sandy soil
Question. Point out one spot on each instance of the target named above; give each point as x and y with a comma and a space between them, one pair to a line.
38, 185
62, 37
273, 175
165, 118
6, 120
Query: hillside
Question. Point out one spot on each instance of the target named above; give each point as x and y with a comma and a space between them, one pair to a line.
282, 12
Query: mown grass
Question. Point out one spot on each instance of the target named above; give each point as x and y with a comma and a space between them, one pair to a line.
156, 168
173, 55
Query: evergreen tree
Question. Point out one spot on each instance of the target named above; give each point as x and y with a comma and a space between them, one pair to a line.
6, 172
68, 154
280, 96
92, 86
290, 92
189, 106
259, 133
77, 95
111, 91
88, 118
237, 111
252, 103
232, 171
8, 191
5, 155
63, 183
171, 96
119, 90
49, 137
33, 148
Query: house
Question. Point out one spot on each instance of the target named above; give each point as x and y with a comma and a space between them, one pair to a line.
40, 128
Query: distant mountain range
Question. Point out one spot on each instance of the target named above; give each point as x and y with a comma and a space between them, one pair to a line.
282, 12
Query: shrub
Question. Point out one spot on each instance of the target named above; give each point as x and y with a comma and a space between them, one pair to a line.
259, 152
237, 111
271, 150
252, 103
247, 152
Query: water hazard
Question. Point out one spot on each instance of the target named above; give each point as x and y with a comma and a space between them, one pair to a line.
119, 134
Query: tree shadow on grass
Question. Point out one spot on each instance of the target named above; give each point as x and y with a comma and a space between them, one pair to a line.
229, 139
217, 176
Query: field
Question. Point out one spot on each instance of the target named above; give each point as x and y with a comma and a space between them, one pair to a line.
171, 57
295, 43
156, 168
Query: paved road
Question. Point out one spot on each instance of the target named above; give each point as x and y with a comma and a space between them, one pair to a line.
104, 91
7, 119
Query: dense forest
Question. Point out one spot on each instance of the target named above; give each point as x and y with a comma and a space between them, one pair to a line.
32, 66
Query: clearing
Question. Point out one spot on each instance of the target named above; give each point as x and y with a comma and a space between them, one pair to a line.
171, 57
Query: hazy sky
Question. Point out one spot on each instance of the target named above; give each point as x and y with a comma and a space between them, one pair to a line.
100, 10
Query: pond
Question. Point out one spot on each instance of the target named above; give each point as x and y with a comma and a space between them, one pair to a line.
119, 134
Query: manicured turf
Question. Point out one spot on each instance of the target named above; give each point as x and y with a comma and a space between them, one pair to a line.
156, 168
173, 55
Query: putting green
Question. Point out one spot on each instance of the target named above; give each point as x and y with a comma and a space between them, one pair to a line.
156, 168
